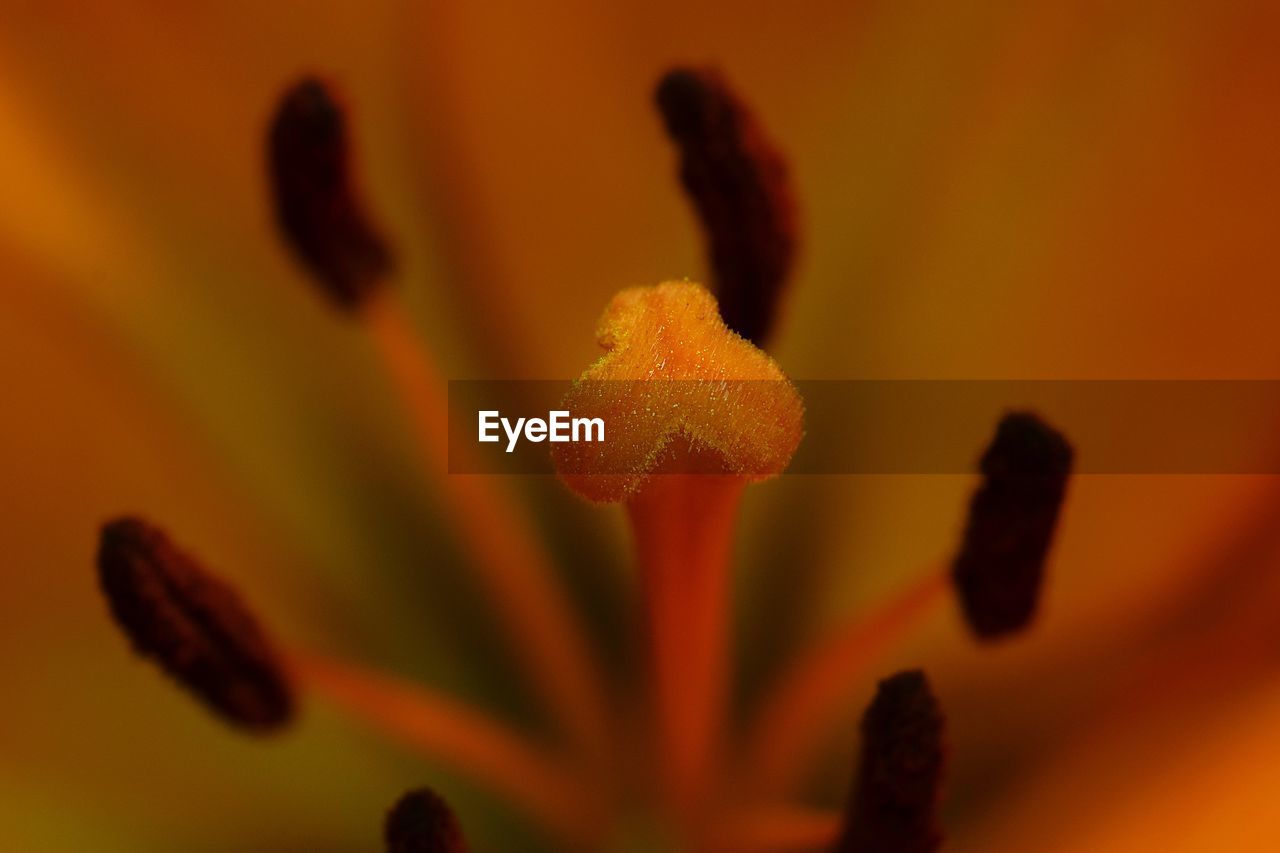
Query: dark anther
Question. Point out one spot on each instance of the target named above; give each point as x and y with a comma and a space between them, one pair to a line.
317, 204
1012, 518
739, 185
422, 822
194, 625
894, 804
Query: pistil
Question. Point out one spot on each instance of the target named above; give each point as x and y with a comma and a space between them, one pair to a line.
694, 413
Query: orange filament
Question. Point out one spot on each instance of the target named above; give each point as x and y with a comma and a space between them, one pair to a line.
777, 829
442, 729
809, 695
504, 548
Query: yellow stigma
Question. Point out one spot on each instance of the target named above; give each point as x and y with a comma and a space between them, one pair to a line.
678, 391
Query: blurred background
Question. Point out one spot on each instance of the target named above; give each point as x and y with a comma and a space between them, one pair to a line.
989, 190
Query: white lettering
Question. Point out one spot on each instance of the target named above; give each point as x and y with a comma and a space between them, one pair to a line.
587, 424
488, 423
559, 427
513, 434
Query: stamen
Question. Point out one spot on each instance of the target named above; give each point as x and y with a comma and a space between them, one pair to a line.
738, 183
1012, 519
422, 822
680, 392
1011, 523
808, 698
893, 808
194, 625
774, 829
324, 222
317, 203
502, 544
442, 729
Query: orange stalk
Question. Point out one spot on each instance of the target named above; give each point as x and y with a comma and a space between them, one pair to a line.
444, 730
807, 699
504, 549
777, 829
683, 528
695, 413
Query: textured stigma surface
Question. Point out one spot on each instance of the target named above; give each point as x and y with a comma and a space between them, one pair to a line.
674, 385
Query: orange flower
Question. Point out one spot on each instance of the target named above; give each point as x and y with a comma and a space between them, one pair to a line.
987, 190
